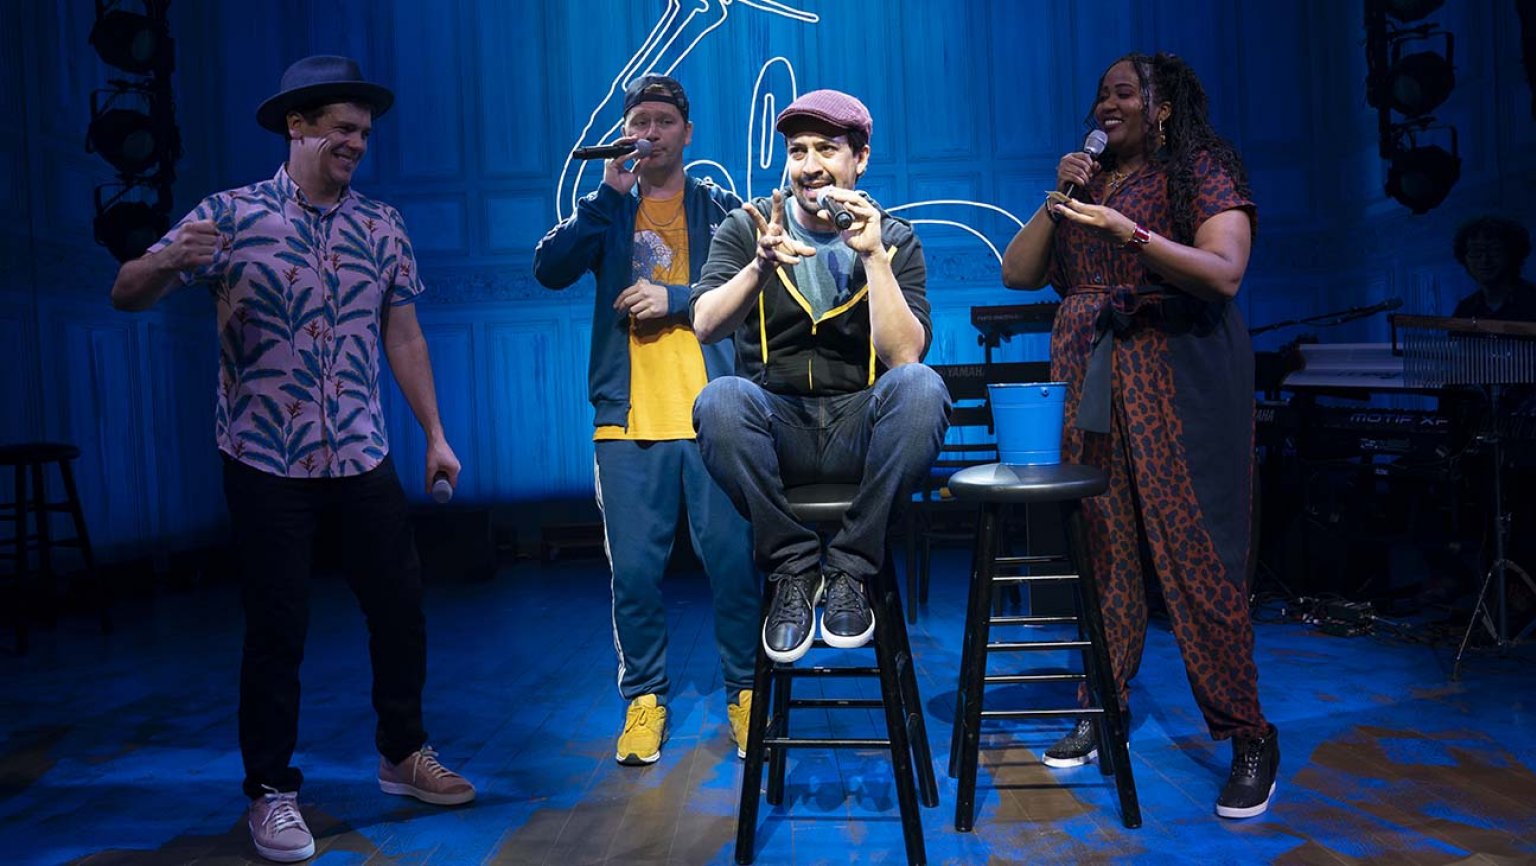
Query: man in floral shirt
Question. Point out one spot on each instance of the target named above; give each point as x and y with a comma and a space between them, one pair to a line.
310, 279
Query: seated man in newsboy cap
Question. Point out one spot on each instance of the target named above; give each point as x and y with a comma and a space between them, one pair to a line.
826, 295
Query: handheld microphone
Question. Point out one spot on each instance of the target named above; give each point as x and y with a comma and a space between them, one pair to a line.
639, 148
840, 215
442, 491
1093, 145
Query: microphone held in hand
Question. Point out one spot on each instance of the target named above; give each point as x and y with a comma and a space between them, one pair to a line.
1093, 145
639, 148
840, 215
442, 491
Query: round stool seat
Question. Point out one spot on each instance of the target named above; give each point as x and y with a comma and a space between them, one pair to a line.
1055, 482
821, 503
25, 453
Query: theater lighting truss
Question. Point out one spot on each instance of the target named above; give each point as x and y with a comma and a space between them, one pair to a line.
133, 125
1406, 75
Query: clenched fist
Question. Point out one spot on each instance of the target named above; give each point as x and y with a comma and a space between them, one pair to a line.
192, 247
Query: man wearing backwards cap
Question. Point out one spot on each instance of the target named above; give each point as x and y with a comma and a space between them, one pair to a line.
830, 326
308, 278
644, 234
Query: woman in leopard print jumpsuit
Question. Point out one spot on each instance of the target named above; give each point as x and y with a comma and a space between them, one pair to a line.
1160, 392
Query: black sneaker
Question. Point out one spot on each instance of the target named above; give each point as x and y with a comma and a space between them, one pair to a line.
1075, 749
791, 623
1255, 761
847, 622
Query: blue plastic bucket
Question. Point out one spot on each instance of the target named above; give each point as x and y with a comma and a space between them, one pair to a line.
1028, 421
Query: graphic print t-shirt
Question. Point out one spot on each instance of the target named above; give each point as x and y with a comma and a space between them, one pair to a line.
666, 364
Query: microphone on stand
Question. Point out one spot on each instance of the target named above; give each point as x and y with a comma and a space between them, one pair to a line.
442, 491
640, 148
1356, 313
1369, 310
1093, 145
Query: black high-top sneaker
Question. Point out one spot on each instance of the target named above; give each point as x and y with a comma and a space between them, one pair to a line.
1251, 785
1075, 749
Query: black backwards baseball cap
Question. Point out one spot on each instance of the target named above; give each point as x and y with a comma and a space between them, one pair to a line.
656, 88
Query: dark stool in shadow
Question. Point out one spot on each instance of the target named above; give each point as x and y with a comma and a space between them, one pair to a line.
994, 487
906, 735
29, 513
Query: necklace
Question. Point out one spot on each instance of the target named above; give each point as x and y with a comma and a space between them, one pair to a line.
1116, 177
651, 212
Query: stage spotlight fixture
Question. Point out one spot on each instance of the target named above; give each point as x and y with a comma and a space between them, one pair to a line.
132, 42
128, 227
1421, 177
133, 129
1405, 11
1418, 83
126, 138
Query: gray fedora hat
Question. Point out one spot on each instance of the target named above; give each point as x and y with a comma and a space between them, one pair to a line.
321, 80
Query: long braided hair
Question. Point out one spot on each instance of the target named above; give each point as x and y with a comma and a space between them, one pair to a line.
1167, 78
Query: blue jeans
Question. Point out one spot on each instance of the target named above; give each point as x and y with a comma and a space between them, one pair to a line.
885, 438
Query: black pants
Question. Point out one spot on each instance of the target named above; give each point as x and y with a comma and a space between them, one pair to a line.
275, 520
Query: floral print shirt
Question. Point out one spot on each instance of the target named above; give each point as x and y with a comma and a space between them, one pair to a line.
300, 292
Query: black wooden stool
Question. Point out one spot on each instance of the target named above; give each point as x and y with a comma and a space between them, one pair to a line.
27, 462
993, 487
823, 505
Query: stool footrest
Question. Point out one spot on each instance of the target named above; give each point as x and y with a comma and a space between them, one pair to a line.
826, 672
1032, 620
52, 507
1032, 559
1037, 645
1031, 578
1037, 714
825, 743
836, 703
1035, 678
33, 540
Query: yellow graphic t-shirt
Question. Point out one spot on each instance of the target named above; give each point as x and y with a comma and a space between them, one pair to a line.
666, 364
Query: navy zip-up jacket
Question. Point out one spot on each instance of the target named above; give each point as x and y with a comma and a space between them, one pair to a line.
600, 237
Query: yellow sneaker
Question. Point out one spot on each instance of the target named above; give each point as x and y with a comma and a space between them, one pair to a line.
740, 714
645, 729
